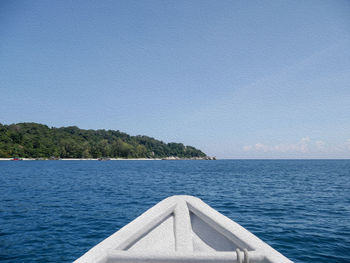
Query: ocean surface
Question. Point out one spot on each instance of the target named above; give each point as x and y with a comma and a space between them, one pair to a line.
54, 211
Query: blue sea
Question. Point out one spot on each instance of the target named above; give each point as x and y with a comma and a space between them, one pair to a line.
54, 211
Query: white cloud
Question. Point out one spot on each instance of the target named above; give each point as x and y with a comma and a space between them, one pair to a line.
304, 146
347, 144
247, 148
301, 146
260, 146
320, 145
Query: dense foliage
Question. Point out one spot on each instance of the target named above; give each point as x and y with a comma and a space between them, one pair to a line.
34, 140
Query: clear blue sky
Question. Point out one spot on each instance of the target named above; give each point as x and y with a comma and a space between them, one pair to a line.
237, 79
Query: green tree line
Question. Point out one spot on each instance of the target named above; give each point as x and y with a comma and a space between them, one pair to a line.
33, 140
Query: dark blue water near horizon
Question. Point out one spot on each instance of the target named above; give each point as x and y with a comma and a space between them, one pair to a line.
54, 211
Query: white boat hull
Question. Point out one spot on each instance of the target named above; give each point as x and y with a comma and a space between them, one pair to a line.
182, 229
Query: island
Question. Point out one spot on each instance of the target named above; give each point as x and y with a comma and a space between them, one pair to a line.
38, 141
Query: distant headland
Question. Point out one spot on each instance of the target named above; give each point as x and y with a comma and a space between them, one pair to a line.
34, 141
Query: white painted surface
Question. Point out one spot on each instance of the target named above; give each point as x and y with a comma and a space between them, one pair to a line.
181, 229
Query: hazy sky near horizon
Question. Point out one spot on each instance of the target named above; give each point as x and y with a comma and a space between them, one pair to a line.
237, 79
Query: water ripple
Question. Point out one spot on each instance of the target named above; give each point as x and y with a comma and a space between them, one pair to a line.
54, 211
